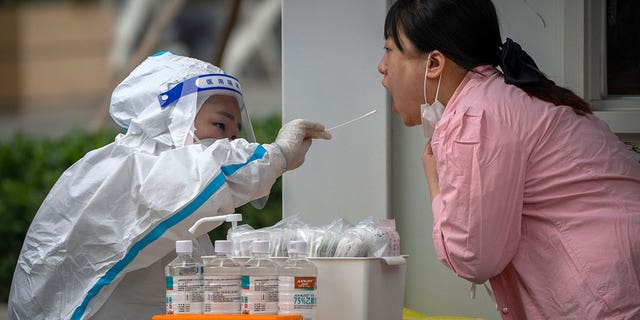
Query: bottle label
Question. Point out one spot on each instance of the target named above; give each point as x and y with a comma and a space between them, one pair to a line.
222, 294
305, 283
259, 295
184, 294
297, 295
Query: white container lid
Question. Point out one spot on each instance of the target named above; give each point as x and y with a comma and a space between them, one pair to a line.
184, 246
260, 246
297, 246
223, 246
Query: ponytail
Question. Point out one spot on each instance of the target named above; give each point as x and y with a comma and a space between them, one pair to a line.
520, 70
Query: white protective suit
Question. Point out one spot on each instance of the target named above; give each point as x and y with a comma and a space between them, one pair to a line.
97, 246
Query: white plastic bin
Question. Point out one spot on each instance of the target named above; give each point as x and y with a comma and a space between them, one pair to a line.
361, 288
358, 288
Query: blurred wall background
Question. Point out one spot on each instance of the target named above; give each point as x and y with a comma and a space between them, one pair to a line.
60, 60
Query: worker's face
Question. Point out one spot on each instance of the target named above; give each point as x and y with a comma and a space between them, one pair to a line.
218, 118
403, 73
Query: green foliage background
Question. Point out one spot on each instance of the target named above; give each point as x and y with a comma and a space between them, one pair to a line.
30, 166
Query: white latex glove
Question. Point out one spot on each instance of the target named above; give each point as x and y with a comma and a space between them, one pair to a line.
294, 140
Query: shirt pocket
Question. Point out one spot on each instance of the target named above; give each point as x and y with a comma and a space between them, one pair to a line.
465, 142
470, 128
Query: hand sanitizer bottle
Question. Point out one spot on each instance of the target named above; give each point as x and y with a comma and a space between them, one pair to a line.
297, 290
259, 281
184, 281
221, 281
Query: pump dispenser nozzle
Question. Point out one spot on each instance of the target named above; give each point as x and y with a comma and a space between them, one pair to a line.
233, 218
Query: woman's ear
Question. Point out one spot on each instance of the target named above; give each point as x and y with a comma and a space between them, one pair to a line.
436, 63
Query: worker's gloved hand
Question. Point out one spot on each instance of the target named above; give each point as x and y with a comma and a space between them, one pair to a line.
294, 140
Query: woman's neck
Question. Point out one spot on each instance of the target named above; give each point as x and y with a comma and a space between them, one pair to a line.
452, 76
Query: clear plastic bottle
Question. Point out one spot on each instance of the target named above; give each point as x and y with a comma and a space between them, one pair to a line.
297, 290
259, 281
221, 275
393, 245
184, 281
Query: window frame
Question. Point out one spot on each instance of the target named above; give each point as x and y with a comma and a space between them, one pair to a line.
596, 63
622, 114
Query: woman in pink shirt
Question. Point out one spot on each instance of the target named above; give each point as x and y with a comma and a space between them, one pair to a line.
529, 189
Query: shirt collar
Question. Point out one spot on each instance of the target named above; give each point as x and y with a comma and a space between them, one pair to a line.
470, 80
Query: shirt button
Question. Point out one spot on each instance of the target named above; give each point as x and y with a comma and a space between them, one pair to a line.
505, 310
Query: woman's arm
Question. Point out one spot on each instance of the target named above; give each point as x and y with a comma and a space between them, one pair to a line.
477, 215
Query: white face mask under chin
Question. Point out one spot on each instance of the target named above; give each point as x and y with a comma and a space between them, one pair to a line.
430, 114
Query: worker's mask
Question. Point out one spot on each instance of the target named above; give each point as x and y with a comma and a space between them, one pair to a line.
205, 142
430, 114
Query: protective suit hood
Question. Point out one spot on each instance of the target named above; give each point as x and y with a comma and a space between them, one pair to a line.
157, 103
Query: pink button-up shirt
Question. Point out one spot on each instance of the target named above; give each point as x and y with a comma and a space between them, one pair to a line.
542, 202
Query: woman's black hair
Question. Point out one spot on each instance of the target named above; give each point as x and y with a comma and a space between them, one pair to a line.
468, 33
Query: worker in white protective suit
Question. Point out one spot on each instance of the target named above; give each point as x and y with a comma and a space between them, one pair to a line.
99, 243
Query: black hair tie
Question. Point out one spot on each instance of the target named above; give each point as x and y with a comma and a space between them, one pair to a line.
518, 67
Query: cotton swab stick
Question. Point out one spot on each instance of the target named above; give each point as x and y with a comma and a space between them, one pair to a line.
352, 120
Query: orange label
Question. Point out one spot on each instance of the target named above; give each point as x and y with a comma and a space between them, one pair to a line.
305, 282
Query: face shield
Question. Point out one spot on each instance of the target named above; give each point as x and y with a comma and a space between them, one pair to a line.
188, 96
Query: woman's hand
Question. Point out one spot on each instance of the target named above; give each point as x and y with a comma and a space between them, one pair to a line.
430, 170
